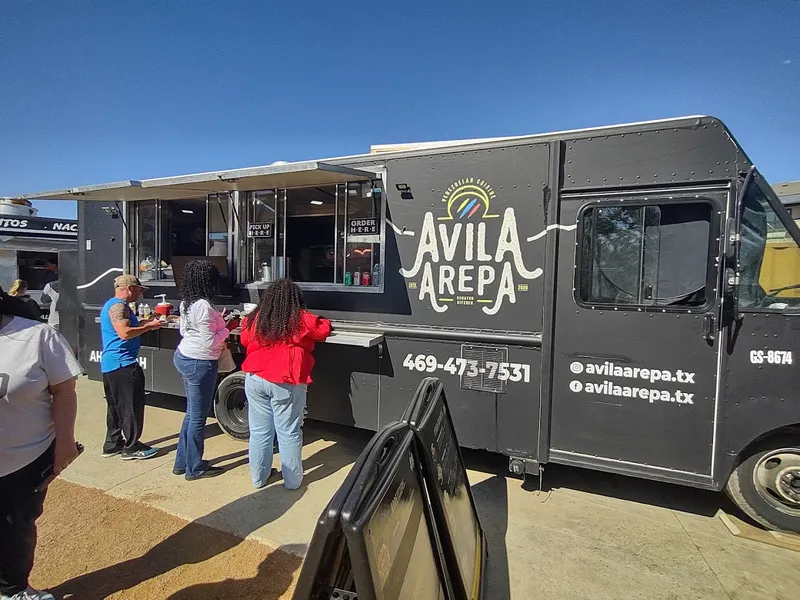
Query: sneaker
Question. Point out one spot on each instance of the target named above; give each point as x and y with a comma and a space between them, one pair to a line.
209, 472
141, 454
110, 453
273, 474
30, 594
182, 471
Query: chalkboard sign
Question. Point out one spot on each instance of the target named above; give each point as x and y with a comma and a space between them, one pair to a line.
259, 230
462, 538
364, 226
389, 526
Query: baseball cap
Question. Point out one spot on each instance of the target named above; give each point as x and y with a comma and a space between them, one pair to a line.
126, 280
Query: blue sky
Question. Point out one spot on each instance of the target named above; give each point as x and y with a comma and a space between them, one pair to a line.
103, 91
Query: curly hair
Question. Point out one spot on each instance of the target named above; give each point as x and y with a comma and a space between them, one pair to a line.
200, 279
277, 316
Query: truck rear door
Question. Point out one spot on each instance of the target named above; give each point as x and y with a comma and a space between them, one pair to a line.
637, 338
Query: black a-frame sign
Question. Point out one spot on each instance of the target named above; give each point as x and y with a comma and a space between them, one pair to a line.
403, 524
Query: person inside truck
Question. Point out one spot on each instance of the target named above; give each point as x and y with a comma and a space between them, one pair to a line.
204, 333
279, 338
52, 270
194, 244
19, 289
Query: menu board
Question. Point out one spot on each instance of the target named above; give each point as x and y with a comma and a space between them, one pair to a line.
387, 522
462, 537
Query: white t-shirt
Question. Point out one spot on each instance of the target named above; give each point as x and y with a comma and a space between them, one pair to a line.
33, 357
51, 292
204, 331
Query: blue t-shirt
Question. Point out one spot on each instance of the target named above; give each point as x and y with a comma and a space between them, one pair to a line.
117, 353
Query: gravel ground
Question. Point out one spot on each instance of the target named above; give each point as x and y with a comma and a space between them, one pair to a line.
94, 546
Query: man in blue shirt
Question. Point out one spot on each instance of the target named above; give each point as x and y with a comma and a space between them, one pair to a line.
123, 378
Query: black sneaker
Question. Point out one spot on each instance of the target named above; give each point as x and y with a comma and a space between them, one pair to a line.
140, 454
179, 471
273, 475
209, 472
110, 453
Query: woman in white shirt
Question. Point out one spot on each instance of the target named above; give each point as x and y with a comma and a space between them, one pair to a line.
204, 333
37, 435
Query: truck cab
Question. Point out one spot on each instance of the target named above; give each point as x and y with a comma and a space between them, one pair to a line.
676, 339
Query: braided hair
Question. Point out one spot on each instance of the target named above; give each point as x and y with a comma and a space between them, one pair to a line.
277, 317
200, 279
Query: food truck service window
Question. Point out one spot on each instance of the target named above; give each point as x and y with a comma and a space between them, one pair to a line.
168, 232
264, 241
645, 255
327, 236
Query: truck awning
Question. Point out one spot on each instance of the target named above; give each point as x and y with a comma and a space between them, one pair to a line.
288, 175
32, 244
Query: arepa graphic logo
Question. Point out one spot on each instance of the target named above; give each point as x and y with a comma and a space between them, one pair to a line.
468, 198
454, 263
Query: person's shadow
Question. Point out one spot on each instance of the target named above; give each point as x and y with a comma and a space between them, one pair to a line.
206, 537
274, 577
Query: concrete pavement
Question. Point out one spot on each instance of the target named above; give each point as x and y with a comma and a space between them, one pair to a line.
585, 535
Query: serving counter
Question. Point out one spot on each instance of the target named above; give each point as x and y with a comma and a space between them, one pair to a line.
339, 335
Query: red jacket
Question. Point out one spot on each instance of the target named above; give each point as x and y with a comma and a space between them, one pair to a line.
287, 361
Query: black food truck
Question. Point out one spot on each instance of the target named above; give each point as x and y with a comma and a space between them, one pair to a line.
623, 298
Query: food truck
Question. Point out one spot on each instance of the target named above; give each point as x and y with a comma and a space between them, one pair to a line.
30, 246
592, 297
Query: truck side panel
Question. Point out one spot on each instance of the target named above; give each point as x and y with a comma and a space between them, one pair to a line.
487, 414
762, 381
465, 243
662, 156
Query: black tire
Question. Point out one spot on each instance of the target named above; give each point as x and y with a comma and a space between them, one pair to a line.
230, 406
761, 503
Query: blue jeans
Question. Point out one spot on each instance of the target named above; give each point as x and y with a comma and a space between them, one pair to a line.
199, 382
275, 409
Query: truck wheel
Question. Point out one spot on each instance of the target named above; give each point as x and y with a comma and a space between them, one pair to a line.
230, 406
766, 485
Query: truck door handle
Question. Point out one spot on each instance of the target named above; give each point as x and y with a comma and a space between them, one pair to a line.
708, 327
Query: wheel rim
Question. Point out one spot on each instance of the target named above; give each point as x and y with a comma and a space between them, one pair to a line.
777, 479
236, 405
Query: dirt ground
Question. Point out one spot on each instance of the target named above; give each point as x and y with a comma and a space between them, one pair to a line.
94, 546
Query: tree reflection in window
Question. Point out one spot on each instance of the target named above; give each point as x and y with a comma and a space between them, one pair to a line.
645, 255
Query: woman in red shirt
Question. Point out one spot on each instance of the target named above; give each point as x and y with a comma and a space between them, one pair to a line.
279, 338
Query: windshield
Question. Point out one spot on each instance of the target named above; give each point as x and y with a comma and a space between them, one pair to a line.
769, 257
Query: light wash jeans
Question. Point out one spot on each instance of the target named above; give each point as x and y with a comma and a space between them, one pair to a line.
275, 409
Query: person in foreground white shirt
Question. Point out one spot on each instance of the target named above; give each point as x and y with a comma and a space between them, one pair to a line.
38, 404
204, 334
